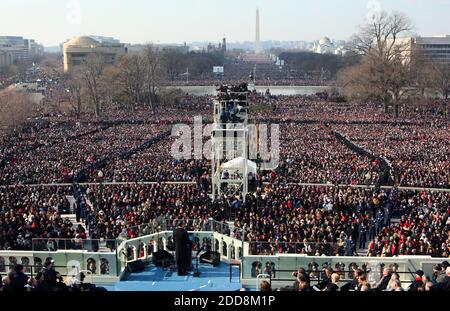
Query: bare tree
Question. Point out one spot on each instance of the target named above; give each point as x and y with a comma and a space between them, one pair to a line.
152, 75
382, 35
15, 109
440, 76
92, 71
174, 63
75, 86
421, 70
385, 72
130, 77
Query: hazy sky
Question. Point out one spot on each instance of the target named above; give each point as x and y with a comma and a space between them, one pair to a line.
52, 21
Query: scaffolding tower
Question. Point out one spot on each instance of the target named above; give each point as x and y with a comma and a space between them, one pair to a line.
229, 138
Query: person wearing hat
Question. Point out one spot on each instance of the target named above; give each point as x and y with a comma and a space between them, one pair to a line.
417, 283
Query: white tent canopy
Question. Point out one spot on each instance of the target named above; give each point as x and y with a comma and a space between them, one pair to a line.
238, 163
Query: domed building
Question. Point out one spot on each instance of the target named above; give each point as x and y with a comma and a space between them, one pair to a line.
324, 46
77, 50
325, 41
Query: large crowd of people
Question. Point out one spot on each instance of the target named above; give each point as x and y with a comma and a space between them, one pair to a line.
265, 72
33, 212
311, 154
58, 160
419, 153
334, 279
279, 216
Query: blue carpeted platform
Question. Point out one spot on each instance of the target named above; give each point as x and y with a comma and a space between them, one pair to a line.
157, 279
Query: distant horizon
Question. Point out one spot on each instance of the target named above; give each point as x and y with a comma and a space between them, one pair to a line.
215, 42
196, 41
51, 22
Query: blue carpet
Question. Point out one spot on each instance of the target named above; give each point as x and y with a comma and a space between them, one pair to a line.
156, 279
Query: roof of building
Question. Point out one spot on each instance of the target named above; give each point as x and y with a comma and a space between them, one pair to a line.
84, 41
325, 41
434, 40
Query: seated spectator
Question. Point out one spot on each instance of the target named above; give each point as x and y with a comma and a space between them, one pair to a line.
383, 283
333, 285
417, 283
441, 272
353, 285
265, 286
445, 284
6, 284
394, 277
328, 272
397, 286
302, 282
362, 281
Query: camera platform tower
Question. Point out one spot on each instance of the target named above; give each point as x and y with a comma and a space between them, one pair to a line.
229, 139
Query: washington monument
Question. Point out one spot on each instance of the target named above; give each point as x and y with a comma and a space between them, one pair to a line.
257, 39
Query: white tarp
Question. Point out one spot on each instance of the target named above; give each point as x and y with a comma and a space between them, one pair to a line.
218, 69
238, 163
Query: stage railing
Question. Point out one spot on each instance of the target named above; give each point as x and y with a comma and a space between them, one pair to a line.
91, 245
100, 264
156, 226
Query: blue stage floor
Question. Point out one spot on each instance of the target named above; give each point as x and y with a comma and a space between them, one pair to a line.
156, 279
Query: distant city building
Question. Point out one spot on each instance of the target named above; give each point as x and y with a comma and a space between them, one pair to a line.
180, 48
6, 58
436, 48
15, 49
77, 50
222, 47
224, 44
324, 46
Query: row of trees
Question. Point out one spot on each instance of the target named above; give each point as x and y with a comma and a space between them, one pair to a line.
199, 64
135, 79
313, 64
393, 69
